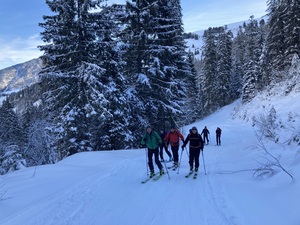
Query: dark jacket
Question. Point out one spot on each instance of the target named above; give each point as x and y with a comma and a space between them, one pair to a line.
205, 131
162, 136
195, 140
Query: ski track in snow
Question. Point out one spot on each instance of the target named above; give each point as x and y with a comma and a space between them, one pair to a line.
86, 203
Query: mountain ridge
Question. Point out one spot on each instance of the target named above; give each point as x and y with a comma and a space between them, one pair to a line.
18, 76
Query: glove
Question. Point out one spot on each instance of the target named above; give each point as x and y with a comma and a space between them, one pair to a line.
144, 139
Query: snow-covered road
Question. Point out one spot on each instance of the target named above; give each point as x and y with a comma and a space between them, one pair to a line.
104, 188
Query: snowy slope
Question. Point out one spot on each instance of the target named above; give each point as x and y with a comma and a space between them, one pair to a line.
104, 188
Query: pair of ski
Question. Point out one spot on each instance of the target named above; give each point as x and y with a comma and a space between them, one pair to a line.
192, 173
174, 168
154, 178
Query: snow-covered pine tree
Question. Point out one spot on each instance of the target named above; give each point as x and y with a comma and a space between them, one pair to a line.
224, 67
155, 61
38, 149
10, 129
263, 32
76, 81
252, 55
291, 30
132, 37
12, 140
294, 74
11, 159
216, 70
238, 62
169, 68
209, 70
199, 65
111, 129
193, 101
241, 43
275, 57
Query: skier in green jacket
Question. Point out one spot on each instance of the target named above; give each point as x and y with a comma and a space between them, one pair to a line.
152, 140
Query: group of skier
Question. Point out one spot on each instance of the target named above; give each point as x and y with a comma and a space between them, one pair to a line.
156, 143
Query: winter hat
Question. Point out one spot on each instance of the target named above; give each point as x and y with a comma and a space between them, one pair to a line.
194, 128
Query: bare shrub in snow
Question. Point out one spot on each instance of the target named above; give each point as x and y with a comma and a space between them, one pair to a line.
271, 163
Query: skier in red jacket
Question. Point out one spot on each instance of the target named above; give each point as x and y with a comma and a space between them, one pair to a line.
173, 138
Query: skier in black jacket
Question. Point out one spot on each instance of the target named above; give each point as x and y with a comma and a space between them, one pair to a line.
205, 133
196, 145
218, 135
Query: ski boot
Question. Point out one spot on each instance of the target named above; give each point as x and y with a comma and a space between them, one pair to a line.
161, 172
152, 174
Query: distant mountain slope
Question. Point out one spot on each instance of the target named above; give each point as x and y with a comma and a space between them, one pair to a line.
19, 76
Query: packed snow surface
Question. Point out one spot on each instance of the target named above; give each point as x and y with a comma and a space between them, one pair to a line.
104, 188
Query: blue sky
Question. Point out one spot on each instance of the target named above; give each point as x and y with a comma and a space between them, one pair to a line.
19, 30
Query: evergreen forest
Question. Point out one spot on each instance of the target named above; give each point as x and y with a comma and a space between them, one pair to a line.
109, 71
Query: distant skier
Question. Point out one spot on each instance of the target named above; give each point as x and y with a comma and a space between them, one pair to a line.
218, 135
196, 145
205, 133
173, 137
163, 146
152, 140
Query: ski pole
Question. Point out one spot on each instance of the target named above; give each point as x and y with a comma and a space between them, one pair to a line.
203, 162
167, 169
179, 162
187, 153
146, 161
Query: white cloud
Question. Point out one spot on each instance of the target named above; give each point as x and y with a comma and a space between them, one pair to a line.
19, 50
197, 15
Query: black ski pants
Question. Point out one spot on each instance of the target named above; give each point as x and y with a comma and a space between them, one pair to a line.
154, 152
161, 151
194, 157
218, 138
205, 137
175, 153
